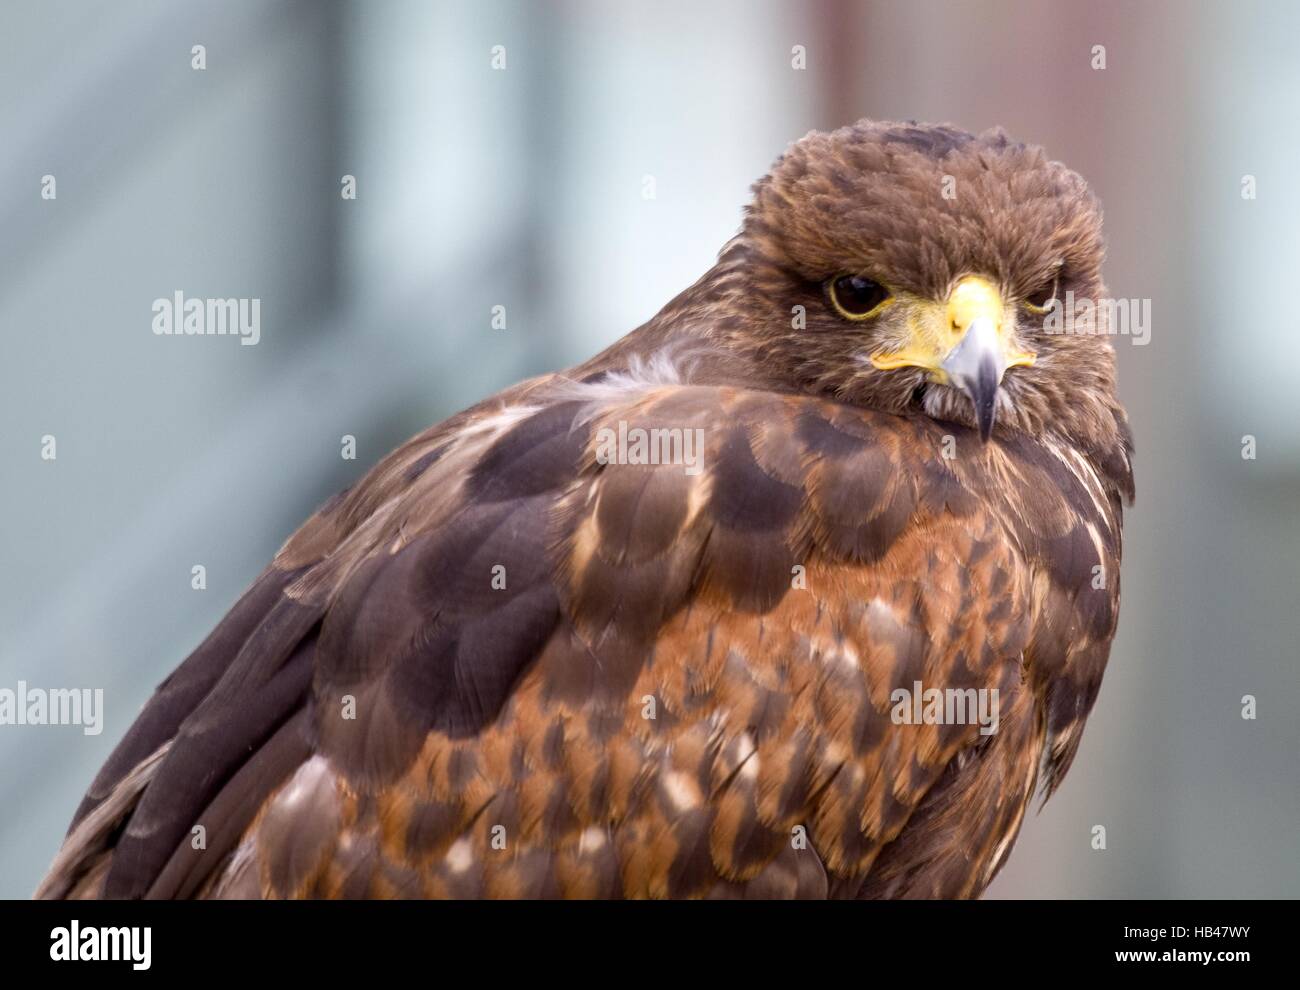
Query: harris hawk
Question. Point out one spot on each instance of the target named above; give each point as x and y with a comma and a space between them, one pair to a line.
640, 629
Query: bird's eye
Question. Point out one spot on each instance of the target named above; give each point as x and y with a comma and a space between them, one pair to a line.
1041, 301
856, 298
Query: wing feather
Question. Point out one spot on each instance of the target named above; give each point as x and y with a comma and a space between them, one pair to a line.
507, 665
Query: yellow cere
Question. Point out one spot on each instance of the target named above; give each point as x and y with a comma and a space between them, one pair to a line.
935, 328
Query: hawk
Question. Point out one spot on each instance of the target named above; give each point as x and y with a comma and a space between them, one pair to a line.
651, 627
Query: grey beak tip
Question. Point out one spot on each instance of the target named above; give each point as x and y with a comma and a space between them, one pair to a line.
984, 395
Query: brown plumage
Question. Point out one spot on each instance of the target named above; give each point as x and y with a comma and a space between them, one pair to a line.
506, 664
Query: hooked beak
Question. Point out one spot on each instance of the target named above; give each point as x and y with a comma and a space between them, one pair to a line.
975, 366
964, 341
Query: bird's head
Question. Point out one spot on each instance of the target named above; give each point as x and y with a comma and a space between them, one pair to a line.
909, 268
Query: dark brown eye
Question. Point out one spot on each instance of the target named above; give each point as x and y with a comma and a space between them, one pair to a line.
1041, 301
856, 298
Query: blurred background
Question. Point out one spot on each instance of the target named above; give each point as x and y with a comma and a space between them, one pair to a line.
525, 187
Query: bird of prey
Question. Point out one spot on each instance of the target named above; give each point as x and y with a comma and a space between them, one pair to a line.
672, 623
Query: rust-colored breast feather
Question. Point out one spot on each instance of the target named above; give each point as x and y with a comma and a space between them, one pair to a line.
504, 667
